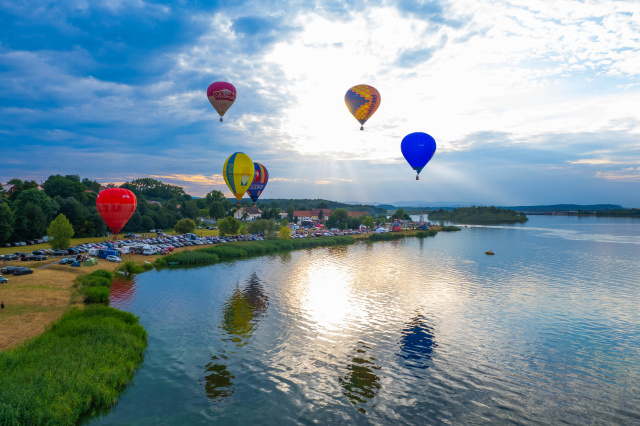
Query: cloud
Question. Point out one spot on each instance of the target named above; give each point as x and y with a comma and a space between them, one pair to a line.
523, 100
626, 175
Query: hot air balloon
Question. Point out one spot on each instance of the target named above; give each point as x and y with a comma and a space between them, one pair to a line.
362, 100
238, 173
418, 148
221, 95
260, 179
116, 206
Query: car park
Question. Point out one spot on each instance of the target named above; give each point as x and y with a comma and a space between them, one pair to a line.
22, 271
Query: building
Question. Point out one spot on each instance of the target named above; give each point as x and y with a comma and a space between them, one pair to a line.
252, 213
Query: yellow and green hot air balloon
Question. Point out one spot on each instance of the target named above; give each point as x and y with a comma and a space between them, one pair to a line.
238, 173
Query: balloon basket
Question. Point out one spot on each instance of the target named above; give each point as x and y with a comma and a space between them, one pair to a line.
417, 177
221, 119
361, 127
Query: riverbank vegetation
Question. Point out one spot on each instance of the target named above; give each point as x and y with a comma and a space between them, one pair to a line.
80, 364
230, 251
478, 214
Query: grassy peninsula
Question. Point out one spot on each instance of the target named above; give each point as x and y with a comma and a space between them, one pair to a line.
479, 214
79, 364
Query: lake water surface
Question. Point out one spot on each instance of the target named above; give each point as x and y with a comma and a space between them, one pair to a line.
408, 332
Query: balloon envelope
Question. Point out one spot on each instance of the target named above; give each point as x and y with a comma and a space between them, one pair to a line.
260, 179
221, 95
362, 100
418, 148
238, 173
116, 206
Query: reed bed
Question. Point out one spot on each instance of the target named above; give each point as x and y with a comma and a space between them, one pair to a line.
130, 267
79, 365
425, 234
242, 249
386, 236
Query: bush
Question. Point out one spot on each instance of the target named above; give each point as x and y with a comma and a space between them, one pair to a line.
386, 236
80, 364
450, 229
188, 258
185, 225
96, 278
97, 294
425, 234
130, 267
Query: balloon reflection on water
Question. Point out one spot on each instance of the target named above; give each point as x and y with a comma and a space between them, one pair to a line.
123, 292
361, 383
241, 313
417, 343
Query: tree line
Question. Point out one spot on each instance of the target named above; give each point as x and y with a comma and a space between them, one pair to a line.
30, 208
478, 214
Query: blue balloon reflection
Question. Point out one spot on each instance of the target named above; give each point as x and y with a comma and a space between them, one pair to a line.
417, 343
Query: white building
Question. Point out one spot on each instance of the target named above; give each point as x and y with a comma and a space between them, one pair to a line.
252, 213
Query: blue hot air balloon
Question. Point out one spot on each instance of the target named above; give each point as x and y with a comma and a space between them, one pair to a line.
418, 148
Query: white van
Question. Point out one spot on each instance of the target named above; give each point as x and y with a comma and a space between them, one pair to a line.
148, 250
93, 252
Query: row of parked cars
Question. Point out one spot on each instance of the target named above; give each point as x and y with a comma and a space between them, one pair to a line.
16, 270
25, 243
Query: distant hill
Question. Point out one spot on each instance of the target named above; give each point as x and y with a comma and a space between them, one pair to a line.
567, 207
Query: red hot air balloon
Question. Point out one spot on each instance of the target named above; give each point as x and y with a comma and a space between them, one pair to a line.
116, 206
221, 95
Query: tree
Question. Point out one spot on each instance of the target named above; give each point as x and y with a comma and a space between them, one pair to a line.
216, 210
63, 186
320, 214
290, 211
214, 196
189, 209
368, 221
228, 226
6, 221
184, 226
203, 212
338, 219
60, 232
285, 233
400, 214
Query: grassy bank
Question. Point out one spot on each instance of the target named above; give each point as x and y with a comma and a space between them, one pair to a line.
78, 365
81, 363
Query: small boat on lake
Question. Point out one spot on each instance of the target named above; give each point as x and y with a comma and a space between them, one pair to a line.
490, 253
174, 263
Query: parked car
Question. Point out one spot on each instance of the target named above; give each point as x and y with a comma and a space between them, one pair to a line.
112, 258
8, 269
72, 251
66, 261
22, 271
59, 253
3, 280
39, 257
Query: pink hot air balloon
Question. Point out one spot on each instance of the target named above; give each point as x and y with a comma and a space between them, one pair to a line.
221, 95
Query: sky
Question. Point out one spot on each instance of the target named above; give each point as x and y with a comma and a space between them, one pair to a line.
530, 102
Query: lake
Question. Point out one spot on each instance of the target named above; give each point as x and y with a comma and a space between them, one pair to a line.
406, 332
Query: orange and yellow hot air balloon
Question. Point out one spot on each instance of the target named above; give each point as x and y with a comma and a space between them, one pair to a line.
362, 100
